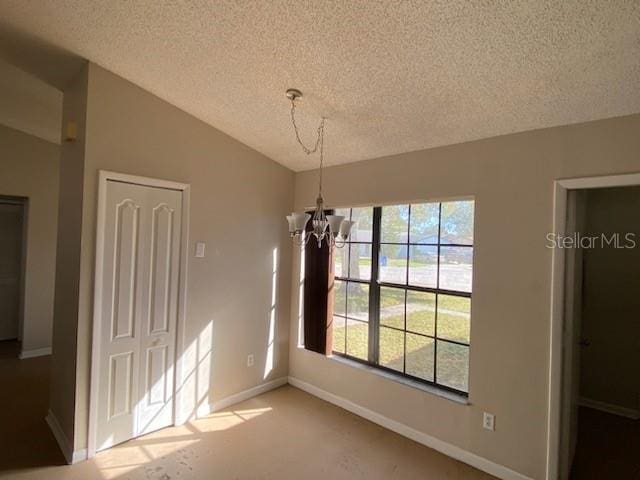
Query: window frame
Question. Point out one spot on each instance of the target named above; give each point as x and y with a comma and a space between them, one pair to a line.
375, 285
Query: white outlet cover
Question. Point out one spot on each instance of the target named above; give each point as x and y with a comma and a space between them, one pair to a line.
250, 360
200, 249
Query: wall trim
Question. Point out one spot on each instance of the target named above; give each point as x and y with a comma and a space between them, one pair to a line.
70, 455
209, 408
447, 449
631, 413
556, 452
36, 352
79, 456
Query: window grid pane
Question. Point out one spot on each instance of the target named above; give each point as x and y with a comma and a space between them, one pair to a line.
421, 312
339, 334
452, 362
392, 307
357, 339
341, 273
353, 260
422, 317
339, 297
420, 356
423, 266
456, 223
358, 301
353, 296
425, 220
363, 229
455, 268
359, 260
392, 353
395, 224
393, 263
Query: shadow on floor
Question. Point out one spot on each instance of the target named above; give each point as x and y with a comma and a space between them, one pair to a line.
25, 438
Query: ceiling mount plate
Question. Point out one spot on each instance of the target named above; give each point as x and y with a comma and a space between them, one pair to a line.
293, 94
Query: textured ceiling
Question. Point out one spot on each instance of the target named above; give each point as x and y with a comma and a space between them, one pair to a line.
391, 76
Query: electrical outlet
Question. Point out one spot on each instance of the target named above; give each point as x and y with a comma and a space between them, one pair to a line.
250, 360
489, 421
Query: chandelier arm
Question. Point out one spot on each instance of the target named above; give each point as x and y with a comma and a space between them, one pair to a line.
302, 239
338, 244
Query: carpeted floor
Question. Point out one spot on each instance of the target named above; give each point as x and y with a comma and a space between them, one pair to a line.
283, 434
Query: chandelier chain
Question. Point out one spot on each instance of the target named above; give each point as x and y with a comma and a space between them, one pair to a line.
319, 141
321, 154
306, 149
333, 229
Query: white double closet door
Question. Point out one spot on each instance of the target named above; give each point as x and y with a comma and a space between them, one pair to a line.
140, 265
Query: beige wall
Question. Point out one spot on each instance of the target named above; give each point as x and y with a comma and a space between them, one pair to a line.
65, 327
610, 366
29, 104
511, 178
238, 202
29, 168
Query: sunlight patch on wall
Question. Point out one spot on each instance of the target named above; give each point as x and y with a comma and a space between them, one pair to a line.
268, 364
301, 300
195, 373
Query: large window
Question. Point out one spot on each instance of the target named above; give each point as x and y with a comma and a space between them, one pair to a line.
402, 291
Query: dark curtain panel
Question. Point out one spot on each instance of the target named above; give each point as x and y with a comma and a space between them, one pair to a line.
318, 296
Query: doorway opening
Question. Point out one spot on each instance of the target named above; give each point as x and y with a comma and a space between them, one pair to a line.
24, 403
13, 225
595, 366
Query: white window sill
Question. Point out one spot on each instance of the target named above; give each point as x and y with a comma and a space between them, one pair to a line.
454, 397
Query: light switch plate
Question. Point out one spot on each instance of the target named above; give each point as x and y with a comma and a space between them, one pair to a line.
489, 421
250, 360
199, 249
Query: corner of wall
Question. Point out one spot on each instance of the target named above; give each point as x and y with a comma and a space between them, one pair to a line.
65, 319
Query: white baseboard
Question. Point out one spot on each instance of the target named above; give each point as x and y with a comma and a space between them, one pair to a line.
79, 456
452, 451
63, 442
609, 408
38, 352
207, 409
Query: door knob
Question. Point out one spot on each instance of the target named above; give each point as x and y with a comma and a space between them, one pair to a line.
584, 343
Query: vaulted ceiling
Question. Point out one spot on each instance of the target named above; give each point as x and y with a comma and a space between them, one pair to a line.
29, 104
390, 76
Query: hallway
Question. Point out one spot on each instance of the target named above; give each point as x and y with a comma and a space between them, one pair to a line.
25, 439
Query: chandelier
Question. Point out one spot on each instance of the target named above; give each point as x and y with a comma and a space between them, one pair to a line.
332, 228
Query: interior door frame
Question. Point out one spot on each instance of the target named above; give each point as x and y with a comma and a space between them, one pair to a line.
103, 177
22, 202
558, 323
